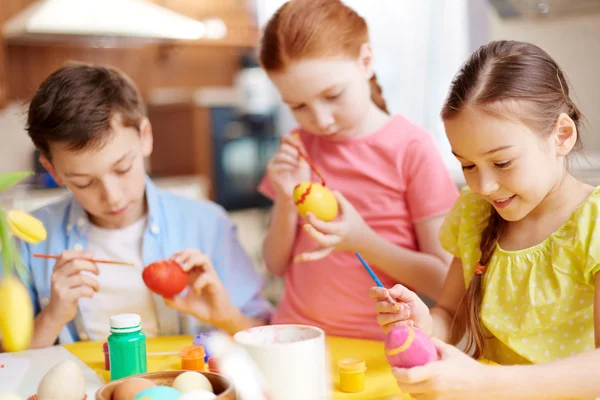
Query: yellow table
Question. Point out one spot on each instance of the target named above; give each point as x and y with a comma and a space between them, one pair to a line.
379, 381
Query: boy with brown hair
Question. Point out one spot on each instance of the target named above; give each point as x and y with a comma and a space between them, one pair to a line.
89, 124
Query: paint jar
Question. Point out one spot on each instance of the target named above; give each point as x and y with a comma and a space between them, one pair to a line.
352, 375
126, 346
213, 366
192, 358
106, 356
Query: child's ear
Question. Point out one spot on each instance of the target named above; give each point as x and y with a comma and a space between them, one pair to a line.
146, 137
565, 135
365, 59
50, 168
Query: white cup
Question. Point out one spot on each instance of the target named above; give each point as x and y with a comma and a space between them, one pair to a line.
292, 359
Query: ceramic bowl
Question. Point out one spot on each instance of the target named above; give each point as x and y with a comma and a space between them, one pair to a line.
221, 386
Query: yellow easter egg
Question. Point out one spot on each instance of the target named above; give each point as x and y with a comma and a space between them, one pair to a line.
317, 199
16, 315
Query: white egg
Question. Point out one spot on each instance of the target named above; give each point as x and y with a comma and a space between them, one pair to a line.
191, 380
64, 381
9, 396
197, 395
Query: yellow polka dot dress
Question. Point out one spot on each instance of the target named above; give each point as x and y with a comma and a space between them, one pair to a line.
537, 302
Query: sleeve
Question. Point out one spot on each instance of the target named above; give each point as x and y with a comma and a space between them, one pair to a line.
449, 230
592, 266
592, 258
430, 190
236, 270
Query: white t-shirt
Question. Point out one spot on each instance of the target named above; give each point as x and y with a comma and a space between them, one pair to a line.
122, 289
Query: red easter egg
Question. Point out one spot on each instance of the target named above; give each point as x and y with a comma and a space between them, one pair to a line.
165, 278
407, 347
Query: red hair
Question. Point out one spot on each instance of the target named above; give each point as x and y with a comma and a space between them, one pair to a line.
303, 29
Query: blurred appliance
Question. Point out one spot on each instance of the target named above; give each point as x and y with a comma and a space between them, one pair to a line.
227, 134
108, 19
543, 8
242, 146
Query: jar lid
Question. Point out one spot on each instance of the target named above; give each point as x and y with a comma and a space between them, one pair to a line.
125, 323
352, 365
192, 352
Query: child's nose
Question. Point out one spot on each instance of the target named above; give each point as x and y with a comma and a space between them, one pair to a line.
323, 120
488, 184
112, 193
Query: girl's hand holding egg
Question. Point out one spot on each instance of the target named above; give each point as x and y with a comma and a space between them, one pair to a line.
345, 234
454, 376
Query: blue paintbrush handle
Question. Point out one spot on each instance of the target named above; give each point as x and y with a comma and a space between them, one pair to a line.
376, 279
369, 270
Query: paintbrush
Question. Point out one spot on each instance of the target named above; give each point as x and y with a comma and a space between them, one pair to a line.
377, 281
53, 257
308, 161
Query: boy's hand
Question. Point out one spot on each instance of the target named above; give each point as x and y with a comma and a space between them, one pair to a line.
68, 284
206, 297
413, 311
286, 169
347, 234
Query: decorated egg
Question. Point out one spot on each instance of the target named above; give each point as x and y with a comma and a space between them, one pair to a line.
165, 278
129, 388
317, 199
64, 381
191, 380
158, 393
407, 346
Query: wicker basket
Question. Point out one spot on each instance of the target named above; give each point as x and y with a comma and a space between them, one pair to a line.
221, 385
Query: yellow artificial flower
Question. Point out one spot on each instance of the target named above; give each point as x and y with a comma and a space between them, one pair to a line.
16, 315
26, 227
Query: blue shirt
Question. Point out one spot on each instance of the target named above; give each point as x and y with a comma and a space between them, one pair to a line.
174, 223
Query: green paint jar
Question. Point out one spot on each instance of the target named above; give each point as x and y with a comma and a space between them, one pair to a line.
126, 346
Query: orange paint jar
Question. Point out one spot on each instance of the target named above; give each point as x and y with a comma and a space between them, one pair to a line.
192, 358
352, 375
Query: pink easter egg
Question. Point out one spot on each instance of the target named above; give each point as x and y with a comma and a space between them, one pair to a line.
407, 347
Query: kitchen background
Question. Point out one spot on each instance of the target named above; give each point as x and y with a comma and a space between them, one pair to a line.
215, 117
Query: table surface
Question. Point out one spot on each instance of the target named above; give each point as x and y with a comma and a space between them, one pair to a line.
379, 381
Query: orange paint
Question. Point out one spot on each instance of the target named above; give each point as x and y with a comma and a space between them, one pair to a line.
304, 195
192, 358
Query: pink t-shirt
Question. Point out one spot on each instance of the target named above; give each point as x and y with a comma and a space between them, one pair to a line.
393, 177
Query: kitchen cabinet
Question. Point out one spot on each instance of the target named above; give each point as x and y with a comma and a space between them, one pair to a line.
3, 81
182, 64
182, 141
8, 8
